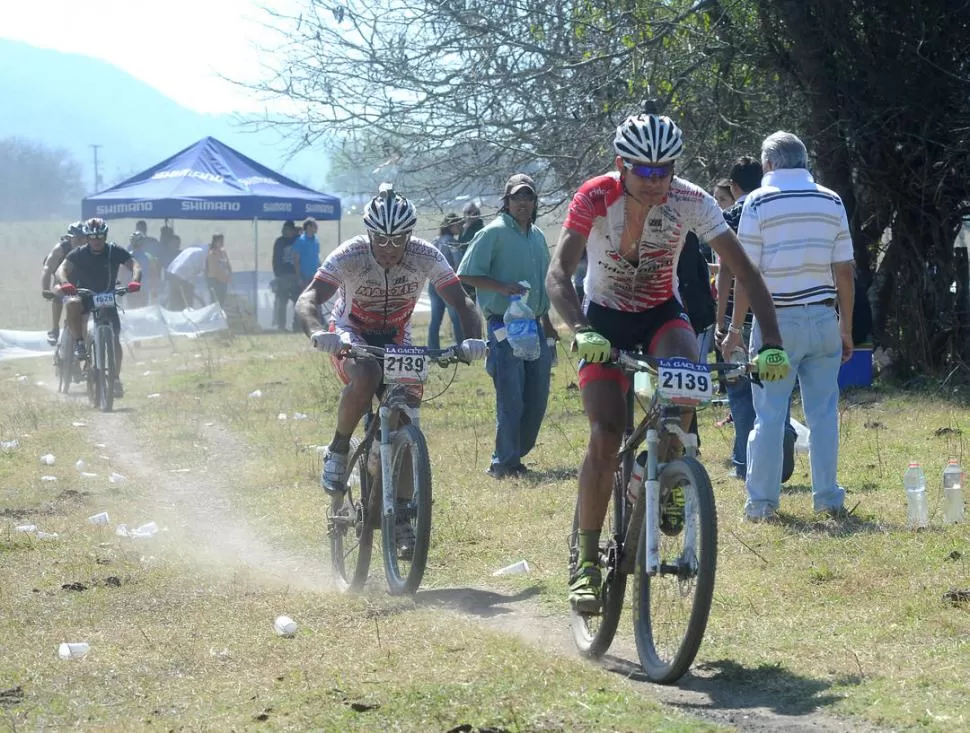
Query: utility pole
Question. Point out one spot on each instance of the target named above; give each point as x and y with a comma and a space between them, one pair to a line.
97, 172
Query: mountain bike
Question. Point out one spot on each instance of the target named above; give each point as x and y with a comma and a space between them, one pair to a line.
99, 365
665, 533
404, 470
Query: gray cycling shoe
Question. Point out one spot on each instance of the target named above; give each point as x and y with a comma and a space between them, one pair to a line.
334, 476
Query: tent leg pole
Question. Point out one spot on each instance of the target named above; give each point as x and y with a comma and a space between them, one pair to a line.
256, 270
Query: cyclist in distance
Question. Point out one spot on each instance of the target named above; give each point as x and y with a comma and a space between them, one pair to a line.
94, 266
72, 240
632, 223
378, 278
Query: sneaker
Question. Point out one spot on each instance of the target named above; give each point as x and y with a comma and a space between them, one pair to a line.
672, 511
334, 476
769, 516
496, 472
80, 351
584, 589
118, 389
788, 456
52, 336
404, 538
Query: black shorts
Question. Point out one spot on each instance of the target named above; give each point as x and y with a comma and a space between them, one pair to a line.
628, 330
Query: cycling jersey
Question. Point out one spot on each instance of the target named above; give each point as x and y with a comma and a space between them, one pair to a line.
97, 271
597, 212
372, 300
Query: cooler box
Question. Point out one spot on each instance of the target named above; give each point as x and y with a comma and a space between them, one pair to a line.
857, 371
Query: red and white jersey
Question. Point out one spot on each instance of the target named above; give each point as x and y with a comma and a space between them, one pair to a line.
597, 212
371, 299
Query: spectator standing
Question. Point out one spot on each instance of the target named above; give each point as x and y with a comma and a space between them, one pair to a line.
471, 226
778, 221
182, 273
151, 273
511, 249
724, 194
218, 269
745, 177
306, 253
286, 287
447, 244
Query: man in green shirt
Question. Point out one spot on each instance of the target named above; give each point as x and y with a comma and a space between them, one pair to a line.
507, 251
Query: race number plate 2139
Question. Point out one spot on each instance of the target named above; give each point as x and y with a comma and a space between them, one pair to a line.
684, 382
405, 365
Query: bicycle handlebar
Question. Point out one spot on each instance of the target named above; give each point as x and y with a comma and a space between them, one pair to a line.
638, 361
441, 357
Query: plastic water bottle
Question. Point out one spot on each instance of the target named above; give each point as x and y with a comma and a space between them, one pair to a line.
635, 487
918, 513
521, 327
738, 356
952, 493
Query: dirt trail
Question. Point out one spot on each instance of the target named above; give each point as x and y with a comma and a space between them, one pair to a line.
199, 504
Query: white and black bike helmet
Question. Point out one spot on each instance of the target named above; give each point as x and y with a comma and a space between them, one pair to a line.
96, 228
649, 139
389, 213
76, 229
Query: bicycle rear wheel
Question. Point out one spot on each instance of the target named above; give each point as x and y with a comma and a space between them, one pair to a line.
670, 609
64, 361
593, 634
409, 464
352, 530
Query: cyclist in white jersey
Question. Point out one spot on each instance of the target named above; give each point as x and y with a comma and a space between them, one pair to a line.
378, 278
632, 223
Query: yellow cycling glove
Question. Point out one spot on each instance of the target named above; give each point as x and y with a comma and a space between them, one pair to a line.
592, 348
772, 363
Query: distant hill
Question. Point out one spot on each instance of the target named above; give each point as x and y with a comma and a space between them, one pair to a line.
71, 101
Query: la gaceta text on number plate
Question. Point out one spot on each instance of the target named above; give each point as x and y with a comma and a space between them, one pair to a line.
405, 365
681, 380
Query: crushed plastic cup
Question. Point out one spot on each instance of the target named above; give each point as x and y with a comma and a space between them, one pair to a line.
517, 568
22, 379
116, 478
78, 424
147, 373
47, 459
73, 650
299, 416
255, 394
99, 518
81, 465
46, 535
284, 626
26, 528
281, 416
149, 529
9, 444
154, 395
88, 474
48, 478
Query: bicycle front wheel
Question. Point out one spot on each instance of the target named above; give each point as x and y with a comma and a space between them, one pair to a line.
352, 529
406, 534
593, 633
671, 608
107, 369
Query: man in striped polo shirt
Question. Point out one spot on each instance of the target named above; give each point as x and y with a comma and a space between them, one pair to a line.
797, 234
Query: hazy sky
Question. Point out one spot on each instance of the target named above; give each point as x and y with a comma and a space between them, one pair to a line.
177, 46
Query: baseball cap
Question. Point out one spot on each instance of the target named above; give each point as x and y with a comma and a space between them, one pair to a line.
518, 182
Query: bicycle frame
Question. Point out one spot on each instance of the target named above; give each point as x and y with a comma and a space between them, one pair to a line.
650, 429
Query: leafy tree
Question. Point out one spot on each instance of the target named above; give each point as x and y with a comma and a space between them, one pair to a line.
37, 182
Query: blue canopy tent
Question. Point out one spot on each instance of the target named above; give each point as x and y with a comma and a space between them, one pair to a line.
210, 180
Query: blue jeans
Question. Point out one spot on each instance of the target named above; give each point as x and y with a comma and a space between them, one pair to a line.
811, 337
742, 415
521, 395
438, 308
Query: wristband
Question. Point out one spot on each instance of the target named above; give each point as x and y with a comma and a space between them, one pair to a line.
769, 346
732, 329
577, 328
